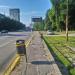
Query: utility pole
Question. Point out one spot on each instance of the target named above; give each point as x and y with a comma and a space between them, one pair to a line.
67, 21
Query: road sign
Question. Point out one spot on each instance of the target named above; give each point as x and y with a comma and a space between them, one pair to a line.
37, 19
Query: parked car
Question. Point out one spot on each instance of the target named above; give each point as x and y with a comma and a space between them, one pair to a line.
50, 33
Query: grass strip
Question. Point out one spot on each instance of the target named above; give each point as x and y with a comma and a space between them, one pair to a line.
60, 57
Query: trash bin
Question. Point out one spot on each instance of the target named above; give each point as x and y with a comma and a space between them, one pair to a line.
20, 46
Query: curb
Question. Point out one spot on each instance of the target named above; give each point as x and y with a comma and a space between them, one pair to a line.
12, 65
50, 57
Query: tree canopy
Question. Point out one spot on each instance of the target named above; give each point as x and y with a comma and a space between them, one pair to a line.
10, 24
56, 16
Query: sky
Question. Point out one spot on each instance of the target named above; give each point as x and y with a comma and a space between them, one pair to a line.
28, 8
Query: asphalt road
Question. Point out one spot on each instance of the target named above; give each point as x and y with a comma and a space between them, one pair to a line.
8, 46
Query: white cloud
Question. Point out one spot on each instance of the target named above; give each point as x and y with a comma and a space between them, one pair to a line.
3, 6
31, 13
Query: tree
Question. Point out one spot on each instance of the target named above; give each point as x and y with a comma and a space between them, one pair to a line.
48, 23
60, 7
67, 22
10, 24
39, 26
56, 5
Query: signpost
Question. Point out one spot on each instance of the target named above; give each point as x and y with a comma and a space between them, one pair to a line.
37, 19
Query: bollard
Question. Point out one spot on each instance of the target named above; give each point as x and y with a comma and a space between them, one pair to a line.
21, 48
41, 36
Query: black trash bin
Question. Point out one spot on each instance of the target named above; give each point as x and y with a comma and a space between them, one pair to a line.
20, 46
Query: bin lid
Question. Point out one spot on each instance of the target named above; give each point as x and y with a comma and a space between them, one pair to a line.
20, 41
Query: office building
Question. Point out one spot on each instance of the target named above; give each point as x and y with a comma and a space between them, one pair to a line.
15, 14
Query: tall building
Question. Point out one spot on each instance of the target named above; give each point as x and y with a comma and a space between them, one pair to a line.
15, 14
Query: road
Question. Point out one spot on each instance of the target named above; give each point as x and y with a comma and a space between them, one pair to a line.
8, 47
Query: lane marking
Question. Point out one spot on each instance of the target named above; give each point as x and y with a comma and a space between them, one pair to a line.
12, 65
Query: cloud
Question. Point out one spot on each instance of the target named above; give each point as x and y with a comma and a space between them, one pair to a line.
31, 13
5, 7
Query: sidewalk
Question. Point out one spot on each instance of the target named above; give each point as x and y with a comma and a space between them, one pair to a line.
40, 60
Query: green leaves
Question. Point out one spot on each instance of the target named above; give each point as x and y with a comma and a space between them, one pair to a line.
38, 26
10, 25
57, 14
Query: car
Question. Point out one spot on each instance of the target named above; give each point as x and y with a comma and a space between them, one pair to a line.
4, 31
50, 33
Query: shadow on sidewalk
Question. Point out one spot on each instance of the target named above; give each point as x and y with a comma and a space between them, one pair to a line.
42, 62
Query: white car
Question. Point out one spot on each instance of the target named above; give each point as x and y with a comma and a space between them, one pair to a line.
50, 33
4, 31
